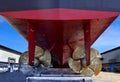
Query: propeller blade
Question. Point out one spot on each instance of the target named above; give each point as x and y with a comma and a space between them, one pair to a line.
74, 65
87, 71
38, 51
79, 53
24, 59
96, 66
46, 58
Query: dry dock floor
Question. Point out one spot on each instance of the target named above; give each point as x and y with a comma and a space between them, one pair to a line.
107, 77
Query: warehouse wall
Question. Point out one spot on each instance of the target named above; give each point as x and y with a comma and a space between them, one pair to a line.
4, 55
111, 56
111, 60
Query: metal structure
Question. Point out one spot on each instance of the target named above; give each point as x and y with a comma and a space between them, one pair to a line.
43, 22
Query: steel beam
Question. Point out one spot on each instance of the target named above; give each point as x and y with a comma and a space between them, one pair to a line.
60, 31
87, 39
31, 43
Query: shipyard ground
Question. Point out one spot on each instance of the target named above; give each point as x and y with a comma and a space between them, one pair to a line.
107, 77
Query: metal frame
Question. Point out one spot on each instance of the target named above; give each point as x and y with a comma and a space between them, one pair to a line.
87, 39
31, 43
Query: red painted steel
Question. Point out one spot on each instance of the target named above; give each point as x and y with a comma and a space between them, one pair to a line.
87, 39
60, 31
102, 30
31, 43
59, 14
49, 24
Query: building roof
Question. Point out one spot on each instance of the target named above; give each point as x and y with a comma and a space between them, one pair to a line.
9, 50
110, 50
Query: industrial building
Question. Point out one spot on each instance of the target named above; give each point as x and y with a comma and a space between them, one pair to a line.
8, 56
111, 60
7, 53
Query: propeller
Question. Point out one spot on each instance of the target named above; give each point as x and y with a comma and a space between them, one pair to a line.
94, 54
78, 63
42, 58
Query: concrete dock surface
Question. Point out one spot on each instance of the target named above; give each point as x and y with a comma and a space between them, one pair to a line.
107, 77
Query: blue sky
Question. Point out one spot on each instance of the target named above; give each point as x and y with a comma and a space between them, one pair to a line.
12, 39
9, 37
